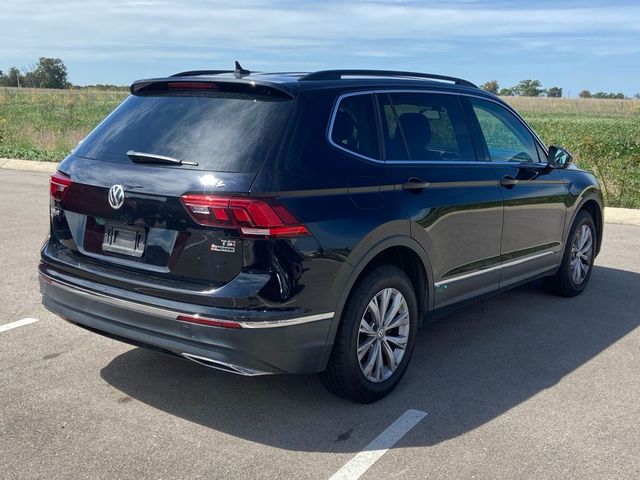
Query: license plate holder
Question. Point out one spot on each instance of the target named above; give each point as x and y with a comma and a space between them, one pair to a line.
124, 239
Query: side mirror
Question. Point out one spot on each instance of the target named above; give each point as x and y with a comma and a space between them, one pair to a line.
558, 157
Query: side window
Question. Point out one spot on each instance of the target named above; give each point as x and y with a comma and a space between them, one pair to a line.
542, 155
354, 126
394, 146
424, 126
507, 139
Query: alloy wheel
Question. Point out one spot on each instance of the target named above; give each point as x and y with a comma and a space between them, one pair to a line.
383, 335
581, 254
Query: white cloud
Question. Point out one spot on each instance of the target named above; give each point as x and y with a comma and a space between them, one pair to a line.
201, 30
250, 23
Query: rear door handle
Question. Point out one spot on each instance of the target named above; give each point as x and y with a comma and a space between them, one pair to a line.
414, 184
508, 182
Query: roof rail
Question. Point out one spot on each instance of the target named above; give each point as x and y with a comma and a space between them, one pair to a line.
193, 73
338, 74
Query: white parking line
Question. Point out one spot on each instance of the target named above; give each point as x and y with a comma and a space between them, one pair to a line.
19, 323
378, 447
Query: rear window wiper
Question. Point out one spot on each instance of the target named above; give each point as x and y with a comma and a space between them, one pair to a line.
142, 157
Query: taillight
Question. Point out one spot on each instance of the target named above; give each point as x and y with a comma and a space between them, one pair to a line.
58, 185
252, 216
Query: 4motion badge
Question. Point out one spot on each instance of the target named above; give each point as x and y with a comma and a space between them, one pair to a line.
228, 246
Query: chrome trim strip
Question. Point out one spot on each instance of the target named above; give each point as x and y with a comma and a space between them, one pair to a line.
336, 105
467, 275
109, 300
492, 269
334, 113
173, 315
288, 321
518, 261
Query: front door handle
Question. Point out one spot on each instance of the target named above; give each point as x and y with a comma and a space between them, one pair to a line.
414, 184
508, 182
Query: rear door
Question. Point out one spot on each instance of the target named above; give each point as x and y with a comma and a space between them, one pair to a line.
453, 200
132, 217
534, 195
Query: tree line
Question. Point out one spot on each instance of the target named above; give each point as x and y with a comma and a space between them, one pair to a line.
47, 73
533, 88
588, 94
52, 73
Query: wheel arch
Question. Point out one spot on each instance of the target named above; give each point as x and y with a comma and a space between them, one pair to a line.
590, 201
400, 250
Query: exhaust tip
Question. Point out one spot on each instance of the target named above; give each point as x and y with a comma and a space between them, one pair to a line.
225, 367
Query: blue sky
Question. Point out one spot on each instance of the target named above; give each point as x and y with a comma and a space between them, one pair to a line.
574, 44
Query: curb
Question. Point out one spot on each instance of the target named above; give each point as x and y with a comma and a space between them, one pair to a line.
625, 216
27, 165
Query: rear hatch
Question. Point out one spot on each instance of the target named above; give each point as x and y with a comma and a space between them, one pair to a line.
150, 193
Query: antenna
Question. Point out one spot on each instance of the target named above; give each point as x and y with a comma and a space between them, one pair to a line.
240, 72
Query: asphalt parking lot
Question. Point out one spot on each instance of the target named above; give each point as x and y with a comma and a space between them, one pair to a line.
524, 385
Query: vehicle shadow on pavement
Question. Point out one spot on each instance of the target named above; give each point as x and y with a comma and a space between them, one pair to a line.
467, 369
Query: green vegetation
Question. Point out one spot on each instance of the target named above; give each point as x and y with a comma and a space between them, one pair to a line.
603, 135
610, 95
533, 88
38, 124
48, 73
524, 88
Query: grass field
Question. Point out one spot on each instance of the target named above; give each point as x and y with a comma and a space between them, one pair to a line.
603, 135
46, 124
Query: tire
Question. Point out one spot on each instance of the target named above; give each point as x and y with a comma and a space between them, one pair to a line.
345, 374
566, 282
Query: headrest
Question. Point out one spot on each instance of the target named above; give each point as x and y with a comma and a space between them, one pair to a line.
416, 129
344, 129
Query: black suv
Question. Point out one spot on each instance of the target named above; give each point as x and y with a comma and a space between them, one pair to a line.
265, 223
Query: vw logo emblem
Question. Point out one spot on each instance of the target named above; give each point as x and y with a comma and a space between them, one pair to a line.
116, 196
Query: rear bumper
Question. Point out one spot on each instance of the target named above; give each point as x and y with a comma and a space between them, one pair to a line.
270, 341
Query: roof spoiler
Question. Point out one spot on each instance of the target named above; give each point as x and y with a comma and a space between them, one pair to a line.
221, 84
239, 72
193, 73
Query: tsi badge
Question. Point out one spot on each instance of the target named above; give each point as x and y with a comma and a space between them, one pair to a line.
228, 246
116, 196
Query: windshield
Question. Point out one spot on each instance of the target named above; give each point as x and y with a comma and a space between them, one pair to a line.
222, 132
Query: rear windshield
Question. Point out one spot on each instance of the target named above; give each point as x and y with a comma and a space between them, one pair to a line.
223, 132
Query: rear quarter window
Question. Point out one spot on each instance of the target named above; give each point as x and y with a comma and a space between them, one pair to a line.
224, 132
354, 126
